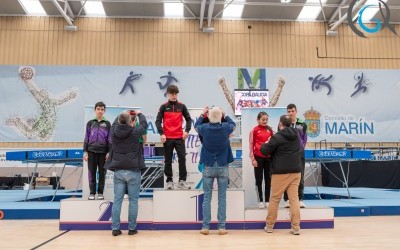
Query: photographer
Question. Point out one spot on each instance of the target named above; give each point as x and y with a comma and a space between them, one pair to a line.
216, 154
126, 161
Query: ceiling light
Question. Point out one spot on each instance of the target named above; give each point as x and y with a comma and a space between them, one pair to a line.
310, 13
33, 7
233, 10
173, 9
94, 8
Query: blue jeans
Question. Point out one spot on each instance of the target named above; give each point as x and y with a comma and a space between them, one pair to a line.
122, 180
209, 173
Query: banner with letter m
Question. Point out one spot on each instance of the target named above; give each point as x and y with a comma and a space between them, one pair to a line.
258, 81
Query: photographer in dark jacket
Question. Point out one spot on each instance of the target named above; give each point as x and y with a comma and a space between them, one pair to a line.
126, 160
284, 149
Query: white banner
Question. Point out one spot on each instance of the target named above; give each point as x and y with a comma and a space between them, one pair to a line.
44, 103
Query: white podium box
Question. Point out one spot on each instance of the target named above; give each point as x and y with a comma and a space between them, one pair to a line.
80, 214
182, 209
315, 217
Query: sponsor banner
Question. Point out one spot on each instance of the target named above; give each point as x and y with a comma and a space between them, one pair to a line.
44, 103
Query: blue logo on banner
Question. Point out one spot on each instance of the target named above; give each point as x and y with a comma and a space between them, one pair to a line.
318, 81
168, 82
129, 81
361, 83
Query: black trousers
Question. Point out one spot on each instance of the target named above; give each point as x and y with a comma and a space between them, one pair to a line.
96, 163
301, 185
260, 172
179, 146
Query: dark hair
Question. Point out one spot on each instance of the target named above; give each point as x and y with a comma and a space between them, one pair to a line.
259, 117
285, 121
99, 104
172, 89
261, 114
291, 106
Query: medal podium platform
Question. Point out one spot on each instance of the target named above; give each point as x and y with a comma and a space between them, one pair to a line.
182, 210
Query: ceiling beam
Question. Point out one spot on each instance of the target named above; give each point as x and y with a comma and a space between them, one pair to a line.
63, 13
337, 11
223, 8
187, 7
202, 9
344, 17
211, 5
322, 10
68, 8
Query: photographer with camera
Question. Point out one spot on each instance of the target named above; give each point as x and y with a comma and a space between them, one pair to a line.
126, 161
216, 154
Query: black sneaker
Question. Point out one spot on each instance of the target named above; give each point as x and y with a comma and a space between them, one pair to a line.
116, 232
132, 232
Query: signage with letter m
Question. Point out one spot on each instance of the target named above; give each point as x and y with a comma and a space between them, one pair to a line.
258, 81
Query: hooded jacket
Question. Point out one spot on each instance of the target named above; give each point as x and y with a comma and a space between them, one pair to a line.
126, 151
285, 151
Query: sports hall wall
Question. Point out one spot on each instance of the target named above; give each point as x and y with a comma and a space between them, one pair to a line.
178, 42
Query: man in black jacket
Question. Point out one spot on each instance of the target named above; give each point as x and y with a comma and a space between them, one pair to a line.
285, 151
126, 161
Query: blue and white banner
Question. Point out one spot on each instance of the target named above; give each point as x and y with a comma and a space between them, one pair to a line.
46, 103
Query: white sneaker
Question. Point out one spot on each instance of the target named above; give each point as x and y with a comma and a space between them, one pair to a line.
295, 232
100, 197
302, 205
287, 204
170, 185
268, 230
183, 185
261, 205
266, 204
91, 197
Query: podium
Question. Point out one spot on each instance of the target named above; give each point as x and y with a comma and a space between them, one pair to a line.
182, 210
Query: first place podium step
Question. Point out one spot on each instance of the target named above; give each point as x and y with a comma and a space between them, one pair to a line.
179, 210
